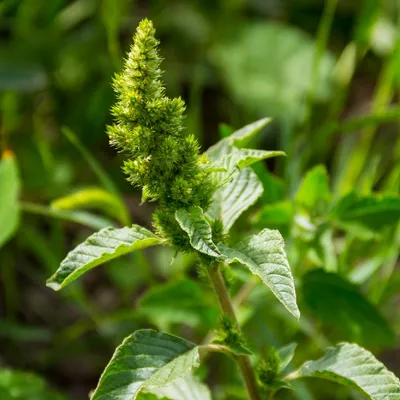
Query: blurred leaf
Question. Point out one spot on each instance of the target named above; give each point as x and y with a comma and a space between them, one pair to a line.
345, 66
276, 216
276, 77
102, 246
9, 192
286, 355
274, 186
145, 360
94, 198
354, 318
19, 332
80, 217
374, 212
265, 256
193, 222
91, 160
314, 194
383, 37
181, 302
186, 388
18, 385
353, 366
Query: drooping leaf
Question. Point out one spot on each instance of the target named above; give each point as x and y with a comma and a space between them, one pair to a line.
286, 355
373, 212
192, 221
183, 302
314, 194
230, 201
99, 248
354, 319
9, 191
93, 198
18, 385
186, 388
265, 256
351, 365
145, 360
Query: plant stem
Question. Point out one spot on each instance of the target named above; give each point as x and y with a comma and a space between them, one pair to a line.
227, 307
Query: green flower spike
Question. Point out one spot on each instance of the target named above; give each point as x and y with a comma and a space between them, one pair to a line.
162, 160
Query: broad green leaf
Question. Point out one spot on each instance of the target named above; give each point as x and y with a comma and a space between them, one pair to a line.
373, 212
286, 355
314, 194
192, 221
9, 191
353, 366
94, 198
183, 302
18, 385
145, 360
186, 388
230, 201
99, 248
264, 254
354, 319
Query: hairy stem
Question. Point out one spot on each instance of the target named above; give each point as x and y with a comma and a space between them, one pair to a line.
225, 302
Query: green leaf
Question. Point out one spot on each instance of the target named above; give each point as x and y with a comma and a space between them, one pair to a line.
355, 318
373, 212
230, 201
248, 131
314, 194
102, 246
94, 198
286, 355
233, 159
237, 138
145, 360
9, 192
18, 385
353, 366
265, 256
192, 221
183, 302
187, 388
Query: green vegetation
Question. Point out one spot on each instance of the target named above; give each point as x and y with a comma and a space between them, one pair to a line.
230, 273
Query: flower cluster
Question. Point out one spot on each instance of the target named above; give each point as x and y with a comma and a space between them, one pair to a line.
162, 160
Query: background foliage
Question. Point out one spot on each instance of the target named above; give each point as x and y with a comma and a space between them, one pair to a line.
328, 72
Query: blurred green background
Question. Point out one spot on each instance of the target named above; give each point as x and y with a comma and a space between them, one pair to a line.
327, 72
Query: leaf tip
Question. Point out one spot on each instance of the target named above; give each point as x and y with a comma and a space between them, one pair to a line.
52, 284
